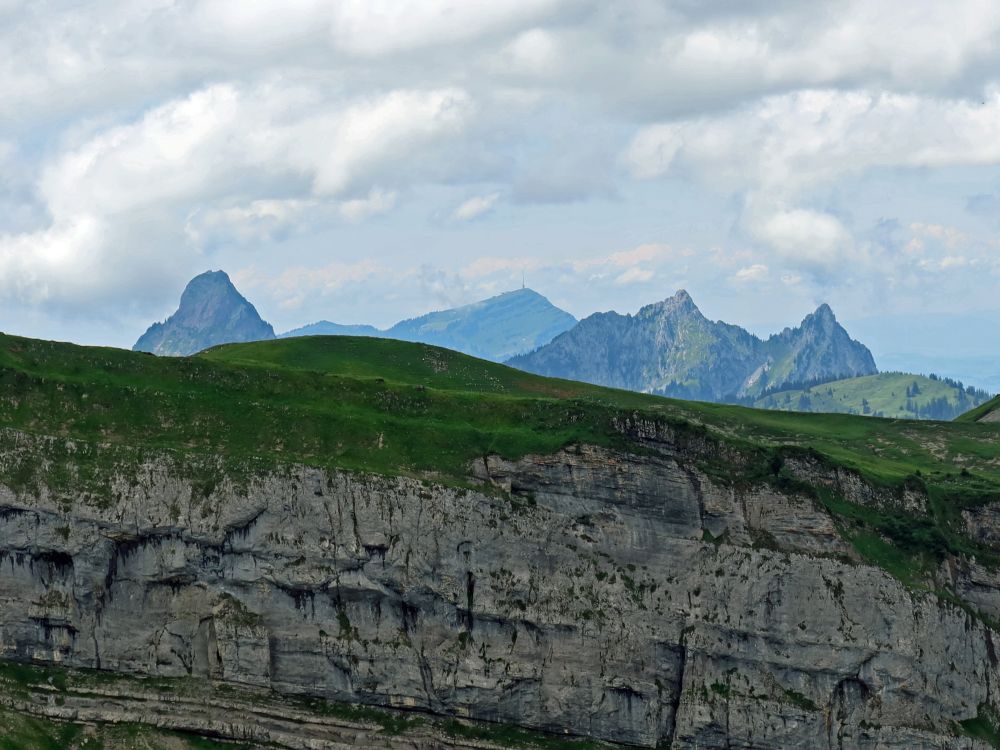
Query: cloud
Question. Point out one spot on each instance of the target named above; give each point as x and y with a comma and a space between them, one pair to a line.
190, 170
635, 275
379, 27
142, 137
789, 142
377, 202
296, 284
752, 274
475, 207
803, 238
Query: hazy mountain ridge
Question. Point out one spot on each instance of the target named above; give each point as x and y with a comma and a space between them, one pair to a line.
496, 328
671, 348
211, 312
326, 328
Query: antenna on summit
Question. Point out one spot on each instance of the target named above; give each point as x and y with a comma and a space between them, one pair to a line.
522, 279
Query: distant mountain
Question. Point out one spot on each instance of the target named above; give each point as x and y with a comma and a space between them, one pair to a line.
892, 395
496, 328
211, 312
670, 348
326, 328
818, 349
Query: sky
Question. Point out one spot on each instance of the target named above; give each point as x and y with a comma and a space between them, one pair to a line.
370, 160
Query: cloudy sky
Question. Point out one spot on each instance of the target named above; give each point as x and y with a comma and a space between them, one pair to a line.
368, 160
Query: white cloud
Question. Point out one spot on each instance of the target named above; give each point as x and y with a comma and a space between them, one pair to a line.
803, 238
376, 27
142, 136
296, 284
752, 274
377, 202
788, 142
475, 207
187, 164
634, 275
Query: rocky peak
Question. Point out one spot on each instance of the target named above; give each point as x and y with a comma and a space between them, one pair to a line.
823, 317
211, 312
680, 304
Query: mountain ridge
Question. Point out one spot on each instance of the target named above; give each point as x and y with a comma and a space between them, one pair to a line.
671, 348
494, 328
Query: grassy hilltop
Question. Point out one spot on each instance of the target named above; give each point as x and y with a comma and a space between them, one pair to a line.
396, 407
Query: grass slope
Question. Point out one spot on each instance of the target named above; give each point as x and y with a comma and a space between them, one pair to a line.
392, 407
395, 407
892, 395
977, 414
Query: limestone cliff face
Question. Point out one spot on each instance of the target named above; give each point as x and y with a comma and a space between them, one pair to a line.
628, 598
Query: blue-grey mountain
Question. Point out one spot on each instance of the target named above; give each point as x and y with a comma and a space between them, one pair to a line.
670, 348
211, 312
496, 328
326, 328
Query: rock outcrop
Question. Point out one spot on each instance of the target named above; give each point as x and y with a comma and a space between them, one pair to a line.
628, 597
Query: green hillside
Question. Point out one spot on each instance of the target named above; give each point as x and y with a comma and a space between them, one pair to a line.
392, 407
892, 395
980, 412
395, 407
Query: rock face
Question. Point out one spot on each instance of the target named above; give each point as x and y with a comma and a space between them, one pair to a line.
211, 312
625, 597
672, 349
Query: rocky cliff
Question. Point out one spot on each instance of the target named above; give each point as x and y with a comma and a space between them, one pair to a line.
634, 596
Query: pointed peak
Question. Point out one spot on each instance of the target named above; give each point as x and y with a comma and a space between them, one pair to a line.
823, 313
680, 301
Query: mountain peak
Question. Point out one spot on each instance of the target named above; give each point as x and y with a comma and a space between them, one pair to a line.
497, 328
211, 312
825, 312
681, 302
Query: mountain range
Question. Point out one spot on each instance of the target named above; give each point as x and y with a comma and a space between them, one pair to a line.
667, 348
670, 348
213, 312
